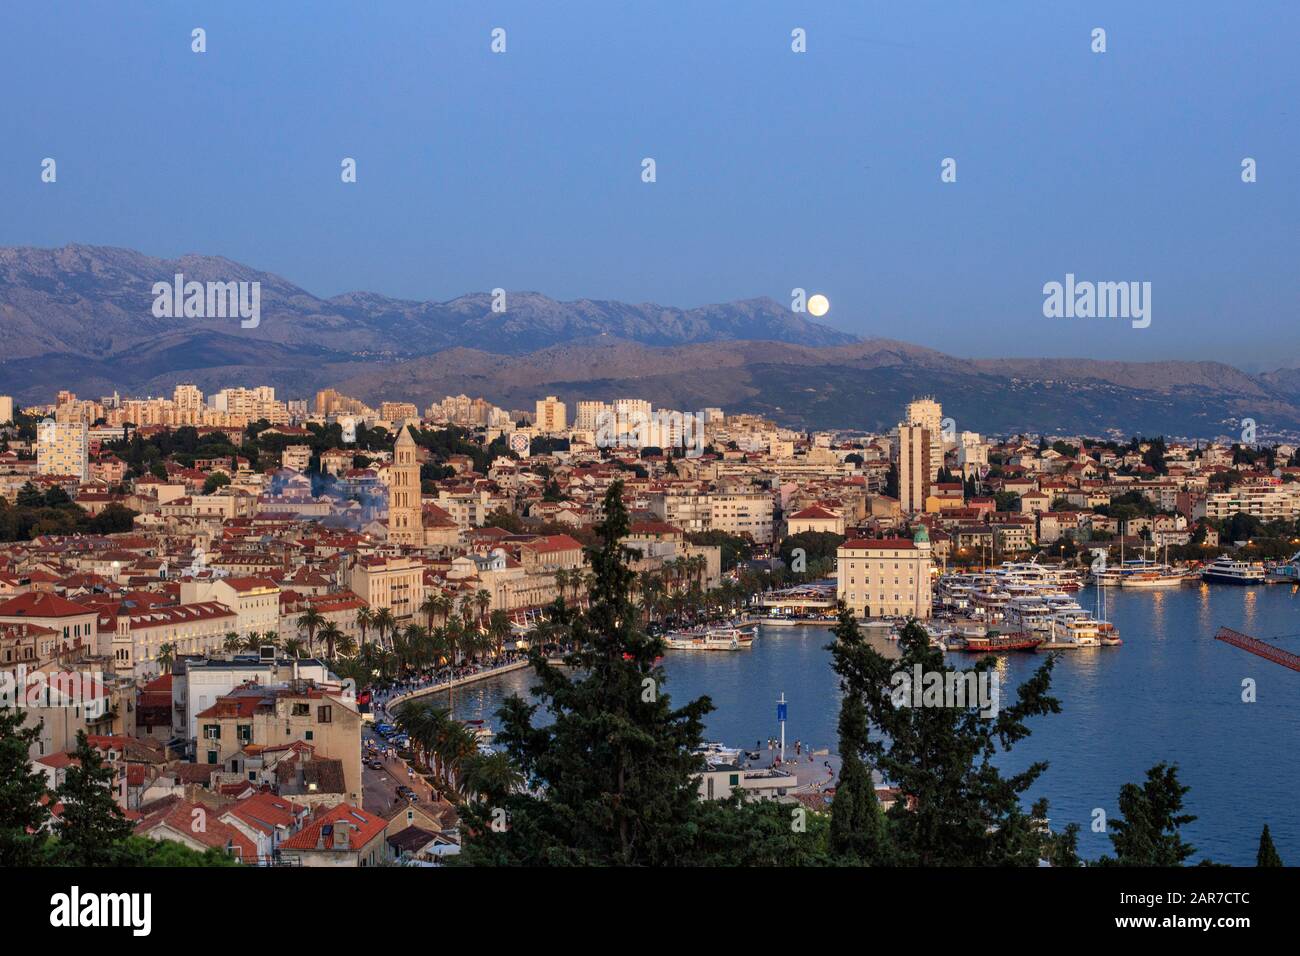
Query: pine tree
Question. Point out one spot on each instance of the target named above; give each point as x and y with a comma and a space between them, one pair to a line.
1267, 855
957, 807
21, 789
1146, 834
612, 779
92, 828
858, 832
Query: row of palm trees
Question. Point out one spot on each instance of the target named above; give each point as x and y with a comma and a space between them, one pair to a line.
455, 632
678, 588
449, 751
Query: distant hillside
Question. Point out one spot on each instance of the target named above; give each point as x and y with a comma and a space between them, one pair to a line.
864, 385
80, 317
95, 302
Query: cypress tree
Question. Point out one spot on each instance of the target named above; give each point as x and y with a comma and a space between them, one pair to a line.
21, 789
1267, 855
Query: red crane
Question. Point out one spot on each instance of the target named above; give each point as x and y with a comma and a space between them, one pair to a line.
1261, 648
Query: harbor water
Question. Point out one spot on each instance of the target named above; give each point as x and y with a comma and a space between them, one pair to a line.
1170, 693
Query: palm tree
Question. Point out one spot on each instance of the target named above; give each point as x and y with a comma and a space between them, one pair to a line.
499, 629
561, 580
293, 646
417, 642
330, 633
454, 747
440, 645
272, 638
491, 777
166, 657
444, 605
384, 622
309, 621
365, 620
430, 606
253, 642
483, 600
232, 643
347, 645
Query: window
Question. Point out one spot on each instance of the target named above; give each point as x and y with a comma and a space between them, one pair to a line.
324, 715
212, 756
301, 710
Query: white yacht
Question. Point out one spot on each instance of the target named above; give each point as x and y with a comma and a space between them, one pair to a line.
1224, 570
710, 639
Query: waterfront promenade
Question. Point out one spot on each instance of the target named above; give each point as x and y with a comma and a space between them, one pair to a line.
405, 691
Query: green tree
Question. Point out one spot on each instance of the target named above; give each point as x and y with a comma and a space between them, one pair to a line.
1267, 855
218, 479
1146, 834
857, 828
611, 781
21, 789
92, 825
960, 809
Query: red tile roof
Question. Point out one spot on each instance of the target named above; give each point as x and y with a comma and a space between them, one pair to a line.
367, 827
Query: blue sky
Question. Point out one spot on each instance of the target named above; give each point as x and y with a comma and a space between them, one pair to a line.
775, 169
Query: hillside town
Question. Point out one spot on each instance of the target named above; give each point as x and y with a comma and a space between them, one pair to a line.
227, 596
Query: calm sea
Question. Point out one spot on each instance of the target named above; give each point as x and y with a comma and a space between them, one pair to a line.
1171, 693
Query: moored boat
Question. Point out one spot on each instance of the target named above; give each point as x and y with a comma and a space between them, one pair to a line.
993, 642
710, 639
1225, 570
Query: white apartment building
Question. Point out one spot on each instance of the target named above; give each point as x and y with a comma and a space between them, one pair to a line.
589, 415
1265, 502
63, 448
929, 414
749, 514
550, 416
971, 449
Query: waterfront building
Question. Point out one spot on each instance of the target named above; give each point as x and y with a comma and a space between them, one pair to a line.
887, 577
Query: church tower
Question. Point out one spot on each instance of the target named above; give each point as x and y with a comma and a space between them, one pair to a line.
405, 524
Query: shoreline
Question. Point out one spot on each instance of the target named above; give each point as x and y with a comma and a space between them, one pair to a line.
455, 682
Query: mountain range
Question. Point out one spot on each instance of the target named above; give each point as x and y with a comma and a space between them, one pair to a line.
80, 317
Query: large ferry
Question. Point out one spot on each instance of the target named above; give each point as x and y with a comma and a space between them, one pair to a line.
1224, 570
710, 639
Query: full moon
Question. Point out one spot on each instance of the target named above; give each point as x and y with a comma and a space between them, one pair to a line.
819, 305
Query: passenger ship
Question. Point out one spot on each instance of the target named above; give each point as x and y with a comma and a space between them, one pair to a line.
710, 639
1224, 570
